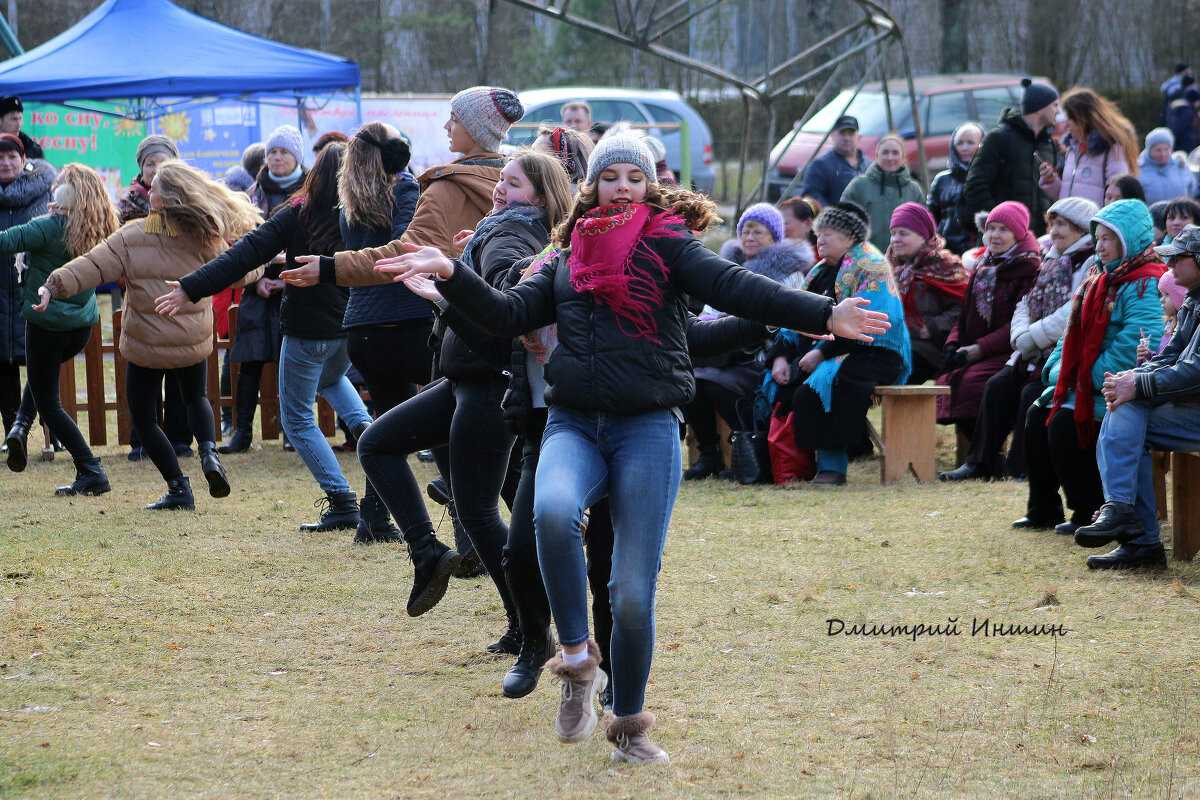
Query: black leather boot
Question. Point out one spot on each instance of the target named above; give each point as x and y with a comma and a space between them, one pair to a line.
178, 496
433, 564
1115, 522
374, 524
522, 677
89, 479
710, 464
968, 472
238, 443
15, 441
339, 513
1131, 556
510, 642
214, 473
470, 566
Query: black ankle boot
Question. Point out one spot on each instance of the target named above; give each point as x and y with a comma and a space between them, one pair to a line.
710, 464
89, 479
214, 473
522, 677
510, 642
339, 513
15, 442
470, 566
374, 524
433, 563
178, 496
238, 443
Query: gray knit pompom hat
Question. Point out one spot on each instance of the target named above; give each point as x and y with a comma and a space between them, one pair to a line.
622, 145
487, 112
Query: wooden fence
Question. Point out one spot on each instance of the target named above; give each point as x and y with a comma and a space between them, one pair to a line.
100, 397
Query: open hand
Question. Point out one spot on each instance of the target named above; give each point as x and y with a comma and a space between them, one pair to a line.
309, 274
851, 320
423, 287
416, 261
172, 301
44, 295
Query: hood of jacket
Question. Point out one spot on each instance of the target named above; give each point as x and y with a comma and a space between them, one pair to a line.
955, 164
1177, 160
782, 259
1131, 221
28, 187
882, 179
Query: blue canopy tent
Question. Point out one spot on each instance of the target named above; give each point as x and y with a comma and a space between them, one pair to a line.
177, 54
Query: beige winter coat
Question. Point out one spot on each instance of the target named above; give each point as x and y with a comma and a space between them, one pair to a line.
147, 261
454, 197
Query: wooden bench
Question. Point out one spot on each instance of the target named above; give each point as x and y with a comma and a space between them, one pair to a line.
908, 437
1185, 500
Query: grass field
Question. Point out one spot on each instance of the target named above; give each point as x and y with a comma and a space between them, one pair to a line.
222, 653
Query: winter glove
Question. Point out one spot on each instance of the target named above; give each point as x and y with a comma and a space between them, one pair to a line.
1027, 347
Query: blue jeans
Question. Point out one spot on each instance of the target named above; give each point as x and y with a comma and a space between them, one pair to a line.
308, 367
635, 461
1126, 437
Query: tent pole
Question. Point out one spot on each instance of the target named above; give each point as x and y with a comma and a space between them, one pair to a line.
358, 104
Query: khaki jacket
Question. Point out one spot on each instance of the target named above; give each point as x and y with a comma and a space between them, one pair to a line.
147, 261
454, 197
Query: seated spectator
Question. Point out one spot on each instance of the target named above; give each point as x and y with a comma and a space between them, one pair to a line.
828, 175
1108, 315
1123, 187
931, 281
840, 376
978, 347
1038, 323
799, 214
1165, 174
1099, 146
945, 193
885, 185
1156, 405
1170, 296
726, 385
1181, 212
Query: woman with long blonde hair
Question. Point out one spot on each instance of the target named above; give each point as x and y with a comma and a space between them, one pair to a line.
81, 216
192, 219
1100, 143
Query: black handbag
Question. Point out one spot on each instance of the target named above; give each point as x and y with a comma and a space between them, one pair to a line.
750, 460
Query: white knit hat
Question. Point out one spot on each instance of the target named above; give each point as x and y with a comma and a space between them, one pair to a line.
622, 145
487, 112
1076, 210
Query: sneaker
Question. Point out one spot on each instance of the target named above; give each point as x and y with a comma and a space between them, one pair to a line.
631, 745
581, 683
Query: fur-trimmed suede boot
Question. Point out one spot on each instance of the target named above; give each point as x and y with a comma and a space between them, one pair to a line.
630, 742
580, 684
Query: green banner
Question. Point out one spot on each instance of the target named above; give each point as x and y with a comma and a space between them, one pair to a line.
105, 142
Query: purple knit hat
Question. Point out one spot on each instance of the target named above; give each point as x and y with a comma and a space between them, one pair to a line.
1168, 286
766, 215
916, 218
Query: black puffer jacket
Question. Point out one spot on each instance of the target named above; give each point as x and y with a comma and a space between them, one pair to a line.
308, 312
510, 241
1005, 169
597, 366
946, 204
24, 198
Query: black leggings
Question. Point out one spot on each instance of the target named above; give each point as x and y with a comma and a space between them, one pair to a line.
466, 416
10, 392
1057, 459
143, 389
521, 568
701, 414
46, 351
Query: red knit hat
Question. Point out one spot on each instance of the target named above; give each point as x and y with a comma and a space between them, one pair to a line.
916, 218
1012, 215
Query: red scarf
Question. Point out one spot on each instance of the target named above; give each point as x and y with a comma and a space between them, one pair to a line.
603, 246
1090, 313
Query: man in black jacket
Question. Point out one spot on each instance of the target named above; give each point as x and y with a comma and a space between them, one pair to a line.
1155, 405
12, 117
1008, 164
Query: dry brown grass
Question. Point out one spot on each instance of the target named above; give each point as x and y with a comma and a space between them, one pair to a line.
224, 654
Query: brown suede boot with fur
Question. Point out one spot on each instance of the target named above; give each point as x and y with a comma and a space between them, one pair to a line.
580, 685
630, 742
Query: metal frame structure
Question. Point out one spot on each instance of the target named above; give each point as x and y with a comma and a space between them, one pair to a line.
642, 25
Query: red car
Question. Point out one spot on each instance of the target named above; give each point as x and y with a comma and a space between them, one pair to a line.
943, 102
